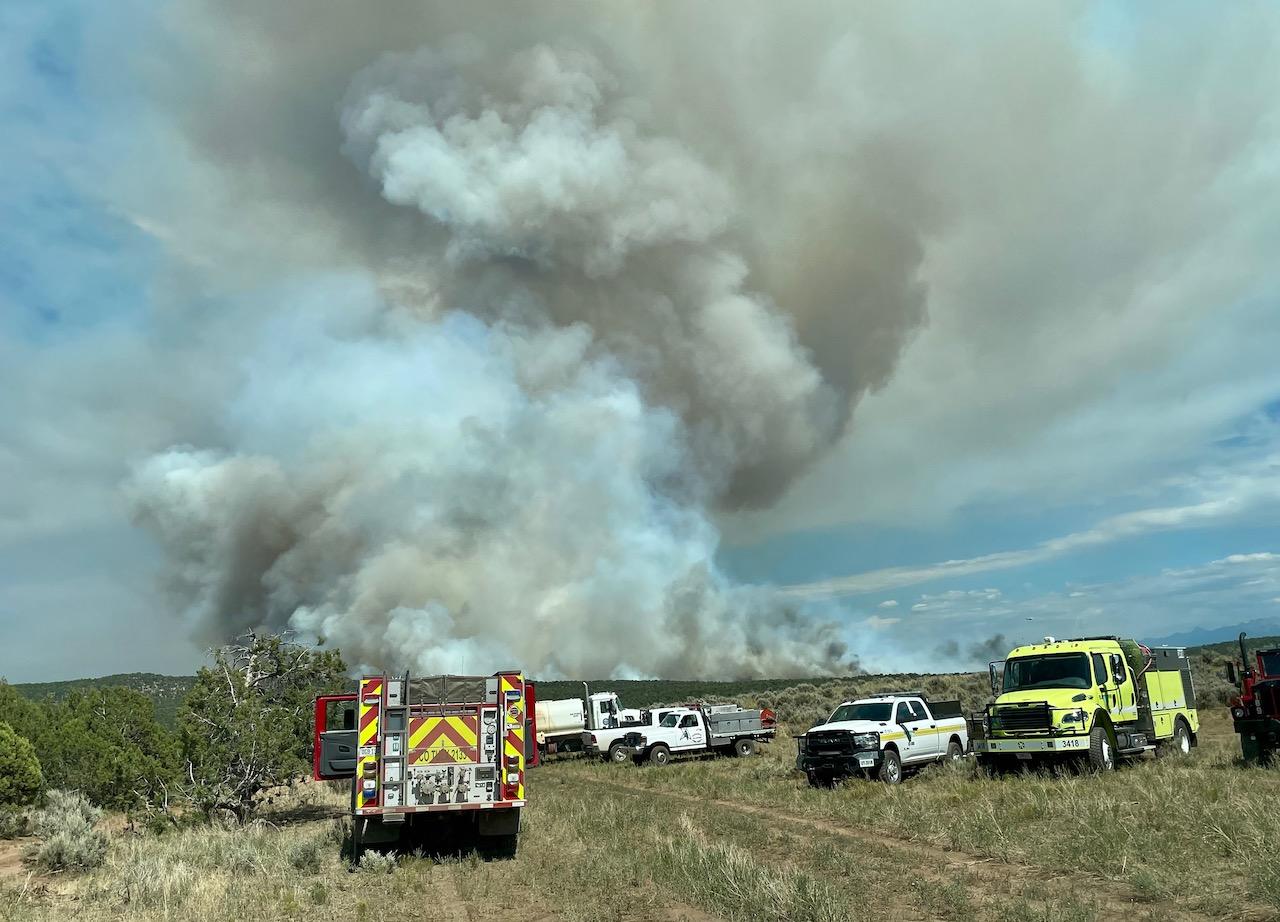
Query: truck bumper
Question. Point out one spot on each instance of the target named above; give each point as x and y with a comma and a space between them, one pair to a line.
1053, 744
839, 766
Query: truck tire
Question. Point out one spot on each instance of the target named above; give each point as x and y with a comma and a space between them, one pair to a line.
744, 747
1179, 744
660, 754
891, 767
1102, 754
619, 754
955, 752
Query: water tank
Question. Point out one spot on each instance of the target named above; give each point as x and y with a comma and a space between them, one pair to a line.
556, 718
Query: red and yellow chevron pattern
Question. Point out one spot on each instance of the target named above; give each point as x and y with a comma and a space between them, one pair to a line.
444, 740
511, 699
367, 740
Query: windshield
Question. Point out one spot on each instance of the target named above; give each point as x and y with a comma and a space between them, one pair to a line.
1055, 670
1270, 662
874, 710
670, 720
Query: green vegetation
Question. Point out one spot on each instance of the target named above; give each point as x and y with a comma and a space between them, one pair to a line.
20, 778
246, 723
104, 742
69, 835
165, 691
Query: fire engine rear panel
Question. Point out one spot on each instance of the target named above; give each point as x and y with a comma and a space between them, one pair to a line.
432, 753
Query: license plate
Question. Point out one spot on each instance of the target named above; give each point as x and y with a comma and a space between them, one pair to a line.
1025, 756
866, 762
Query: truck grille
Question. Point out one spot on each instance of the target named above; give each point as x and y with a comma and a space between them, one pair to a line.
830, 742
1021, 719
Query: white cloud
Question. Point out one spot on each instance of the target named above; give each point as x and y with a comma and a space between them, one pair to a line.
1224, 591
876, 623
1252, 490
889, 603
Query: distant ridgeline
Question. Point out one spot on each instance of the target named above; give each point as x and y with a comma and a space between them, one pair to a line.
1208, 661
167, 691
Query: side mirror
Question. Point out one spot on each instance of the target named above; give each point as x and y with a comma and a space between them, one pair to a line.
1117, 669
995, 679
1231, 674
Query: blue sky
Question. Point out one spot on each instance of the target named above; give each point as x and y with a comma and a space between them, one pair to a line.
1083, 436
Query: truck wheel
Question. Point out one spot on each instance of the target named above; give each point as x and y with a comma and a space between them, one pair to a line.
1102, 755
660, 754
891, 767
618, 754
1179, 744
955, 752
744, 747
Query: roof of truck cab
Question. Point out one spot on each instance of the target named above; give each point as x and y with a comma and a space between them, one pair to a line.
1092, 645
876, 699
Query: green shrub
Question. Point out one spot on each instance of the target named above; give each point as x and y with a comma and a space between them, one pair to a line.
14, 823
305, 855
70, 839
20, 778
377, 862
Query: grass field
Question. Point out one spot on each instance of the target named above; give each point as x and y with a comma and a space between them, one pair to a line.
738, 839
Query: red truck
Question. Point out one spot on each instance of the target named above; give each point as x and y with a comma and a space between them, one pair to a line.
1256, 710
439, 759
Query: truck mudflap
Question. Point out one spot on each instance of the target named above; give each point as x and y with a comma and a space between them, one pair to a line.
1050, 744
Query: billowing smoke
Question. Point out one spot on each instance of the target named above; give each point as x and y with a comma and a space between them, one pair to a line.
975, 653
555, 205
515, 456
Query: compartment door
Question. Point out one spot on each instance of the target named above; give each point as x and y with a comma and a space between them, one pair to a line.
334, 745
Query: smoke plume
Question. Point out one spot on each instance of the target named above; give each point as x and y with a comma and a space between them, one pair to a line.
504, 436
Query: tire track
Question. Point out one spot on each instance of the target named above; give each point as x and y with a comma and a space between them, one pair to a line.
945, 866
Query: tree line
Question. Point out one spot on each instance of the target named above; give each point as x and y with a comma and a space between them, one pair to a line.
244, 727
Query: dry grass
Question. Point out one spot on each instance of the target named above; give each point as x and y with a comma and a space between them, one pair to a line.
1189, 830
734, 839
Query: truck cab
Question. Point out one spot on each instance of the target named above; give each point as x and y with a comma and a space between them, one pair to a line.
1095, 697
686, 730
610, 741
605, 712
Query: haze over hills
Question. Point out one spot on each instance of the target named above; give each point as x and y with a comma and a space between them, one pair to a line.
1199, 636
168, 691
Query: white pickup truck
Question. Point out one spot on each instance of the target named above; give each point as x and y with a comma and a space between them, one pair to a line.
610, 740
882, 735
688, 730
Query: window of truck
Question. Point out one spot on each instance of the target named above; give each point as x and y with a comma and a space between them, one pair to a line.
1052, 670
670, 720
870, 710
1271, 662
909, 711
1100, 670
689, 721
